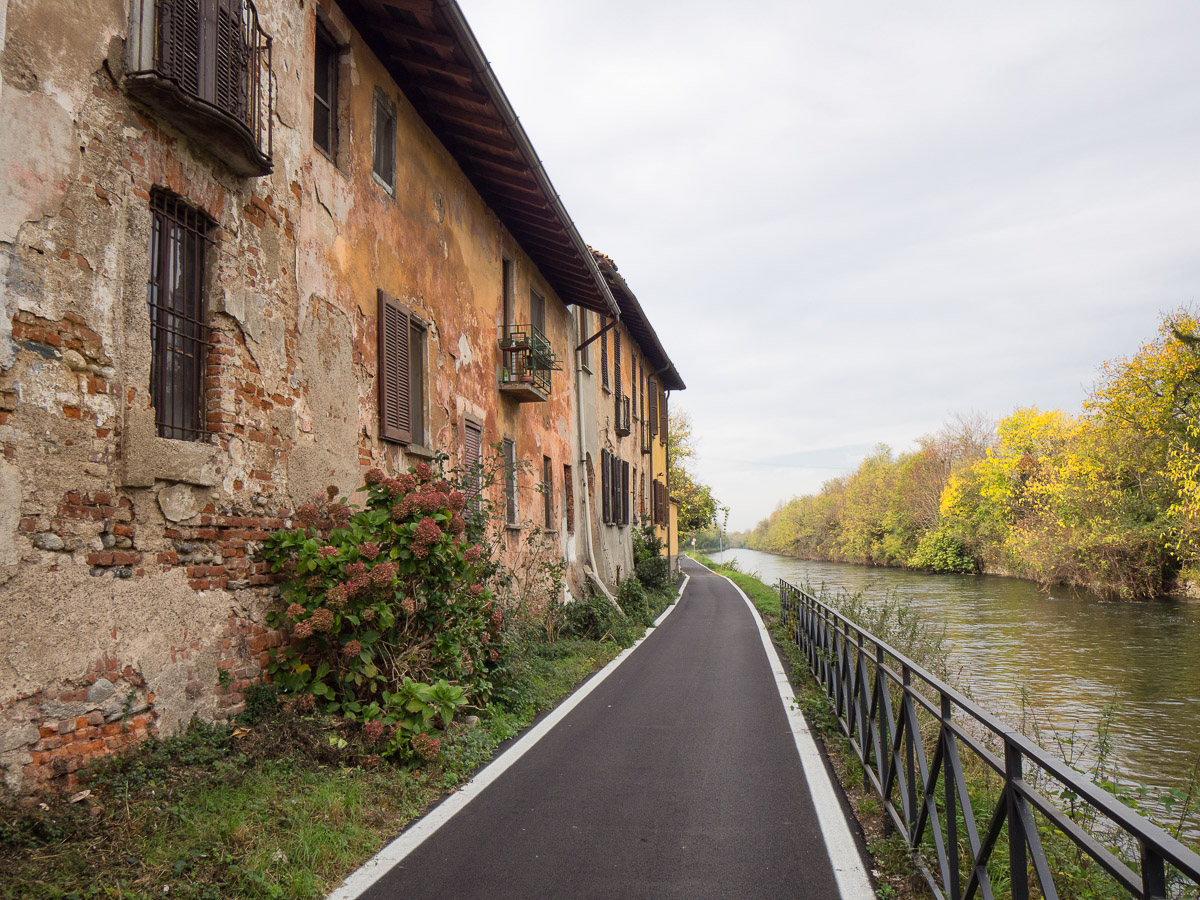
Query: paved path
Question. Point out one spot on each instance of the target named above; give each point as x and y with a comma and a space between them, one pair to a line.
678, 776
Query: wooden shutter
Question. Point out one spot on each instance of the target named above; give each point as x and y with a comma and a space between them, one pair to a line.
603, 354
624, 493
652, 395
605, 487
663, 418
395, 404
617, 368
569, 499
472, 447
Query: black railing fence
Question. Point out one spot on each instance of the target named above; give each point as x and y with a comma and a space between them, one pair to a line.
970, 795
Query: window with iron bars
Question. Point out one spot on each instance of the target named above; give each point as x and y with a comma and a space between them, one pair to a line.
178, 330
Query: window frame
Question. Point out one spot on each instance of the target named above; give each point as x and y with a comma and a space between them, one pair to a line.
585, 351
170, 326
324, 39
511, 511
548, 491
383, 121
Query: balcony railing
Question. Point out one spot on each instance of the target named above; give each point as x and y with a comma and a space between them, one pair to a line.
526, 360
205, 67
621, 419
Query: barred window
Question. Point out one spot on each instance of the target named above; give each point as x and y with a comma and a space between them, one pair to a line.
178, 332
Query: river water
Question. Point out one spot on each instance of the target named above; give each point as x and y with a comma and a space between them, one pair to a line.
1070, 654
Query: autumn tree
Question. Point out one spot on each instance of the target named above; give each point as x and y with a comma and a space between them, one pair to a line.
697, 505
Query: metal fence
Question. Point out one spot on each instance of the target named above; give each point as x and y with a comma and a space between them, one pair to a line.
942, 765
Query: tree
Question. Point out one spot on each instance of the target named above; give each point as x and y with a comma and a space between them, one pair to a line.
697, 505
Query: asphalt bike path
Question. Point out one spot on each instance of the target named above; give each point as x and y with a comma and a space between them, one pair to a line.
677, 776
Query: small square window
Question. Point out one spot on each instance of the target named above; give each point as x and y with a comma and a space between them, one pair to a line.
384, 159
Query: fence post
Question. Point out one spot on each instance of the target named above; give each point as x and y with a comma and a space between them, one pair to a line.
1018, 864
952, 855
1154, 874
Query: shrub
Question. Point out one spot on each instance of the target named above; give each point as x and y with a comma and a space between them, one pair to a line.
940, 552
652, 569
389, 617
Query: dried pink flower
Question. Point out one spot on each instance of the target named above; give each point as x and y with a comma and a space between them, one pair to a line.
352, 648
368, 614
476, 590
295, 611
303, 629
307, 514
339, 513
409, 605
457, 525
327, 551
337, 596
473, 554
373, 476
426, 746
383, 574
322, 619
457, 500
442, 487
423, 472
373, 730
369, 550
407, 483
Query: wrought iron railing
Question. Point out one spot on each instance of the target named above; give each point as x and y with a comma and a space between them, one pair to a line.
622, 416
206, 66
527, 357
907, 728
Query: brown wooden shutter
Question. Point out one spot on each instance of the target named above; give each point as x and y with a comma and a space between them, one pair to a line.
617, 368
603, 355
624, 493
605, 487
395, 405
652, 395
472, 447
664, 418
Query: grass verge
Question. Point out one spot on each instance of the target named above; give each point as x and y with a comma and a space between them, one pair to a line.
285, 806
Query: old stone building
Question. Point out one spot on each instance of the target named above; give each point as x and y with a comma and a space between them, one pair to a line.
248, 251
626, 376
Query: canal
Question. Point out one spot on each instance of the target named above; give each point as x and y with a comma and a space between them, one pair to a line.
1070, 655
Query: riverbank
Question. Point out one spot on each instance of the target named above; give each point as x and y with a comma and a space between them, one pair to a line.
1185, 589
1075, 663
899, 626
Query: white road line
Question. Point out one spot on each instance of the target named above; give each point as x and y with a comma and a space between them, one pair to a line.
359, 881
848, 866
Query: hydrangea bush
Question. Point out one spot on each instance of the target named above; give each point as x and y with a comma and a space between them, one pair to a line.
391, 620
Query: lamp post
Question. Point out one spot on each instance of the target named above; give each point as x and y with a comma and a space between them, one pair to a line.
721, 539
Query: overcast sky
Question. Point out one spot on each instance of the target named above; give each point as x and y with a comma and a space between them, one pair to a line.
849, 221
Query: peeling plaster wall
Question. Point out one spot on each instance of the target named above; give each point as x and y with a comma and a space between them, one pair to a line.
129, 564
